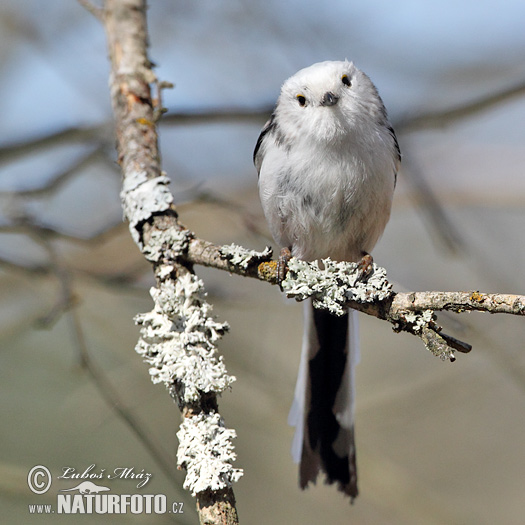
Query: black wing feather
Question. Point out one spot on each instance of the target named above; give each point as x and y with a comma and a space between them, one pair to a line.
269, 127
397, 149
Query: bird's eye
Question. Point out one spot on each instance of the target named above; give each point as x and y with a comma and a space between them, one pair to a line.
301, 99
346, 81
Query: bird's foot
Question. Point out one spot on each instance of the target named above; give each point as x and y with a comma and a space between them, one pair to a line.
282, 265
365, 267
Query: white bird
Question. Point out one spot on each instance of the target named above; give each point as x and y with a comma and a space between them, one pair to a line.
327, 161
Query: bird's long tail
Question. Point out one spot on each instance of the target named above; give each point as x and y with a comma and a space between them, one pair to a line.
323, 408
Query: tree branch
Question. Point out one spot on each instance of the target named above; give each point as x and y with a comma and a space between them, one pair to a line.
263, 268
412, 312
178, 337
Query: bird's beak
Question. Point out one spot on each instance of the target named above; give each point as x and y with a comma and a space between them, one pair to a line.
329, 99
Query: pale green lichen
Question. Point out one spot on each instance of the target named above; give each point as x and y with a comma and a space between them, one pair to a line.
206, 452
142, 197
178, 339
334, 284
241, 257
419, 320
170, 244
437, 345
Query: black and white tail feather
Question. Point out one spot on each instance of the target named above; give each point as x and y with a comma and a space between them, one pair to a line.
323, 407
327, 161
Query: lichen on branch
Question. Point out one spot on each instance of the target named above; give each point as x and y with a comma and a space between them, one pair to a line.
336, 283
178, 338
206, 452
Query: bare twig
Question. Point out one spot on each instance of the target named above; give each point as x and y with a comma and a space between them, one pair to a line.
61, 177
442, 118
459, 302
255, 115
26, 225
28, 269
96, 11
431, 208
71, 135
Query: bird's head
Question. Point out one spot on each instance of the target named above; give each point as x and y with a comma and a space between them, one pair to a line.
328, 100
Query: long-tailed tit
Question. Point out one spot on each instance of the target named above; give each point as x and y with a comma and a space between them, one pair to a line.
327, 162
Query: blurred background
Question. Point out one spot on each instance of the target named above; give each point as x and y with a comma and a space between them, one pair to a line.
438, 443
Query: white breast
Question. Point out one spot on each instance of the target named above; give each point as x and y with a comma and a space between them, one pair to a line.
328, 201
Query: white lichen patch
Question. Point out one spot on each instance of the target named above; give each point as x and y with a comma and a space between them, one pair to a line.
178, 339
241, 257
419, 320
206, 452
169, 243
142, 197
334, 284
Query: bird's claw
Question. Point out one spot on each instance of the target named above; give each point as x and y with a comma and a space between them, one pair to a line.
365, 267
282, 266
